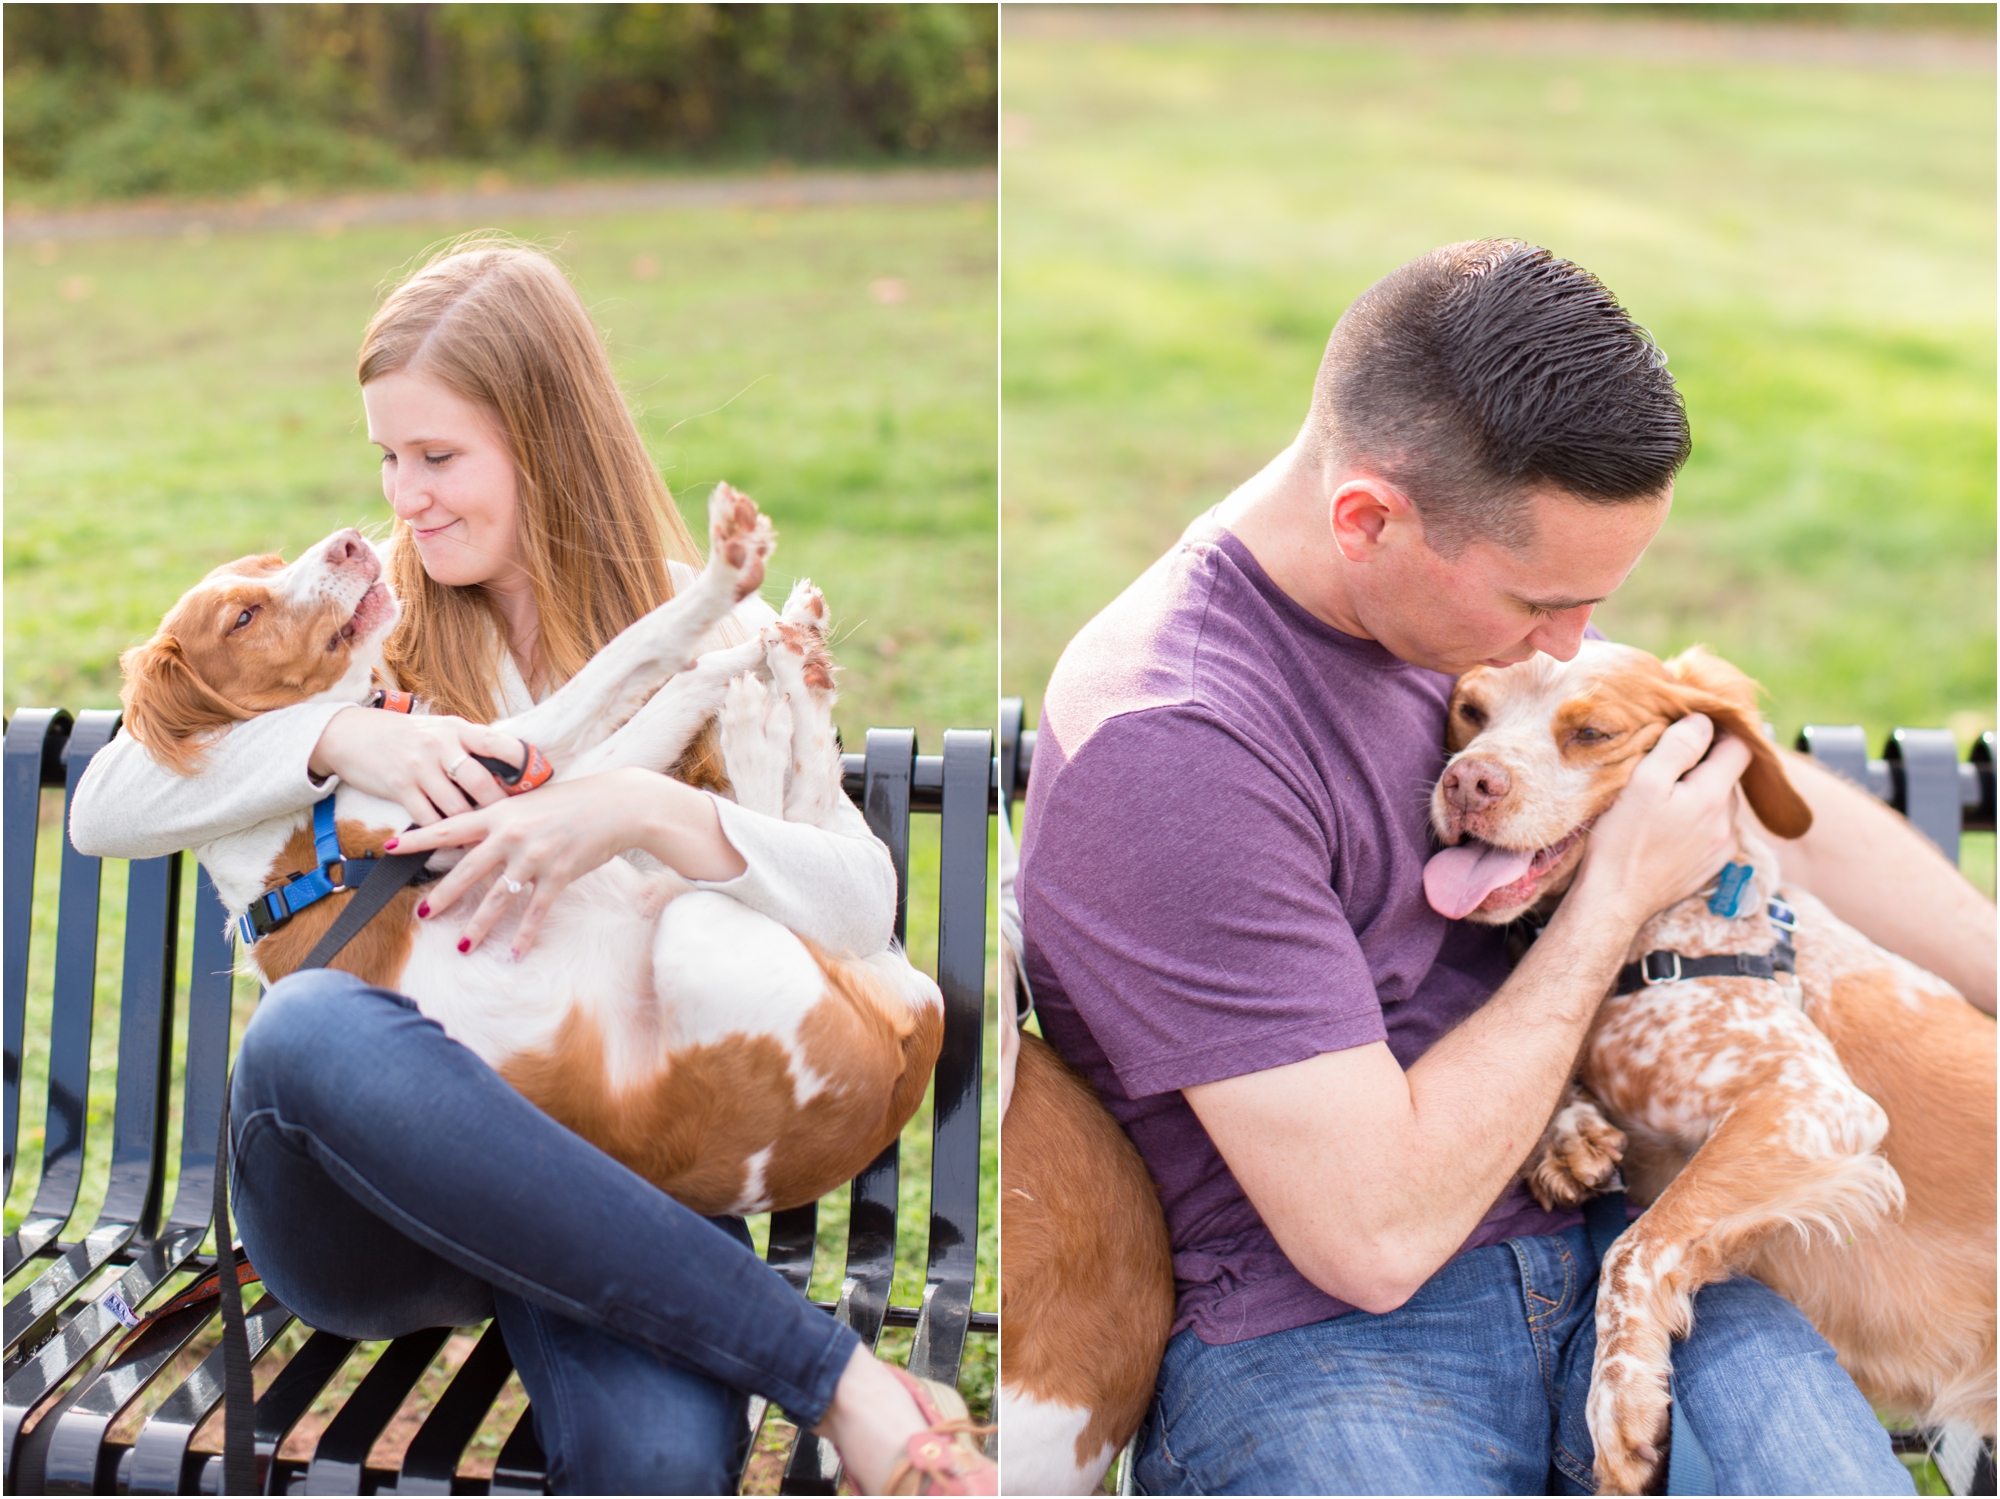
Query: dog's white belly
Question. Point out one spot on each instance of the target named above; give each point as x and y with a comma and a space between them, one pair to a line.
656, 972
593, 955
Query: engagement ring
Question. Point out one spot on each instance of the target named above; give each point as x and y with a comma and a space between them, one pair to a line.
514, 887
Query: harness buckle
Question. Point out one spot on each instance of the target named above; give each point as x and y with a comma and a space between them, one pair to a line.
1646, 968
1781, 916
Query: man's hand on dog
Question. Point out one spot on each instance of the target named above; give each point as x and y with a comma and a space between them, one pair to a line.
1672, 826
424, 764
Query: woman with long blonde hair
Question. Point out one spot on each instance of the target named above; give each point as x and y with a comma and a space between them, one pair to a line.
386, 1179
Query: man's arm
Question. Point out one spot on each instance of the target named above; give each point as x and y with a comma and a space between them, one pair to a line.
1370, 1178
1886, 880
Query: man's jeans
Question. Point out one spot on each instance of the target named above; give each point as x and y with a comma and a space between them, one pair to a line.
1477, 1385
387, 1180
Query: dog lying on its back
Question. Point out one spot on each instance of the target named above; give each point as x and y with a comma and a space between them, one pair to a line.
1831, 1133
701, 1043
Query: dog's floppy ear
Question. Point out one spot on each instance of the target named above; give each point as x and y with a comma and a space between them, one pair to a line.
1708, 684
168, 708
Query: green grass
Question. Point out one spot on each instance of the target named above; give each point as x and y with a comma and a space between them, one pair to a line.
196, 402
1189, 205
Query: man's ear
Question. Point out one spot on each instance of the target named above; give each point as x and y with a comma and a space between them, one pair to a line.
1363, 506
168, 708
1707, 684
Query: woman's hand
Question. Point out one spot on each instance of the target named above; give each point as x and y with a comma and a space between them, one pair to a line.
424, 762
534, 845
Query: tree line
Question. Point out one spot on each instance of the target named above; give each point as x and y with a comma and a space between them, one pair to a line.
124, 98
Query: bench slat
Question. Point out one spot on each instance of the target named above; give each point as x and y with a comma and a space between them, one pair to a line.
338, 1460
794, 1237
145, 1037
34, 735
434, 1452
519, 1468
962, 918
70, 1023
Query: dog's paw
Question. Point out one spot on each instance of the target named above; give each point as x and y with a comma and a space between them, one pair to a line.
755, 733
740, 538
1630, 1416
1578, 1156
806, 606
1629, 1408
798, 657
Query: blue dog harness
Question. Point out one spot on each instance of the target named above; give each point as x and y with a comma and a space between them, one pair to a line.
332, 875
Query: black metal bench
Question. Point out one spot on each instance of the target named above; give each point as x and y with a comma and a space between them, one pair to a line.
1921, 776
60, 1408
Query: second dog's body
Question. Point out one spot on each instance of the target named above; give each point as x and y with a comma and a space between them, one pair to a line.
1831, 1132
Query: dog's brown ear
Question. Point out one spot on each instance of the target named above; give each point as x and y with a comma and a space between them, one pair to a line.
168, 708
1708, 684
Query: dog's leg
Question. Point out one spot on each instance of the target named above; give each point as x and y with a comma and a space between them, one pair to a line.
592, 705
660, 731
1578, 1154
755, 733
802, 671
1780, 1160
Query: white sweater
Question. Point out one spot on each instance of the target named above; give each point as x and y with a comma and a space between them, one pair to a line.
834, 886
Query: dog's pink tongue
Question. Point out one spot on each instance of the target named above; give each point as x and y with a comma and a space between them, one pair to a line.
1457, 879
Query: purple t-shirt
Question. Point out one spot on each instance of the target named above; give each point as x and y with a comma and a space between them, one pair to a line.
1222, 872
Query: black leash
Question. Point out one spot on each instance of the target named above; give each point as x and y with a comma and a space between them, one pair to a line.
239, 1419
239, 1433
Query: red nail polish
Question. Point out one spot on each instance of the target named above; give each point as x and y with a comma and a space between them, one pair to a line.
424, 910
390, 844
465, 944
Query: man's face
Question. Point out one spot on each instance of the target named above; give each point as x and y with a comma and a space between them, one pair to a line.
1489, 606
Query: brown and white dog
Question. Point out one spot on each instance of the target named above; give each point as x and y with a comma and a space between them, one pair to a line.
1834, 1138
701, 1043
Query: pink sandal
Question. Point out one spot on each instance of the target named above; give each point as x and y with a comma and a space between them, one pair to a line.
946, 1458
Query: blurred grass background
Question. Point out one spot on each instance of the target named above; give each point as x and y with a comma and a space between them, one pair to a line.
1802, 215
175, 401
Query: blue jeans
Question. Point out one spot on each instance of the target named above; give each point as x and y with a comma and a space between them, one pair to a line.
1477, 1384
386, 1179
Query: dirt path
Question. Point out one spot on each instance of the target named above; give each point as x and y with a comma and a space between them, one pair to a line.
768, 190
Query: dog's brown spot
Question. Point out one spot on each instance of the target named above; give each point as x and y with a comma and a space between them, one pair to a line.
1086, 1271
692, 1129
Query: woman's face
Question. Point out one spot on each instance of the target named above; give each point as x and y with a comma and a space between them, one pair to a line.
447, 471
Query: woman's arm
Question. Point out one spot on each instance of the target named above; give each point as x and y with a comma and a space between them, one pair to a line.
129, 806
1884, 878
834, 887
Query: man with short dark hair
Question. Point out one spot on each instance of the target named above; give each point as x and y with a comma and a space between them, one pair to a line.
1226, 929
